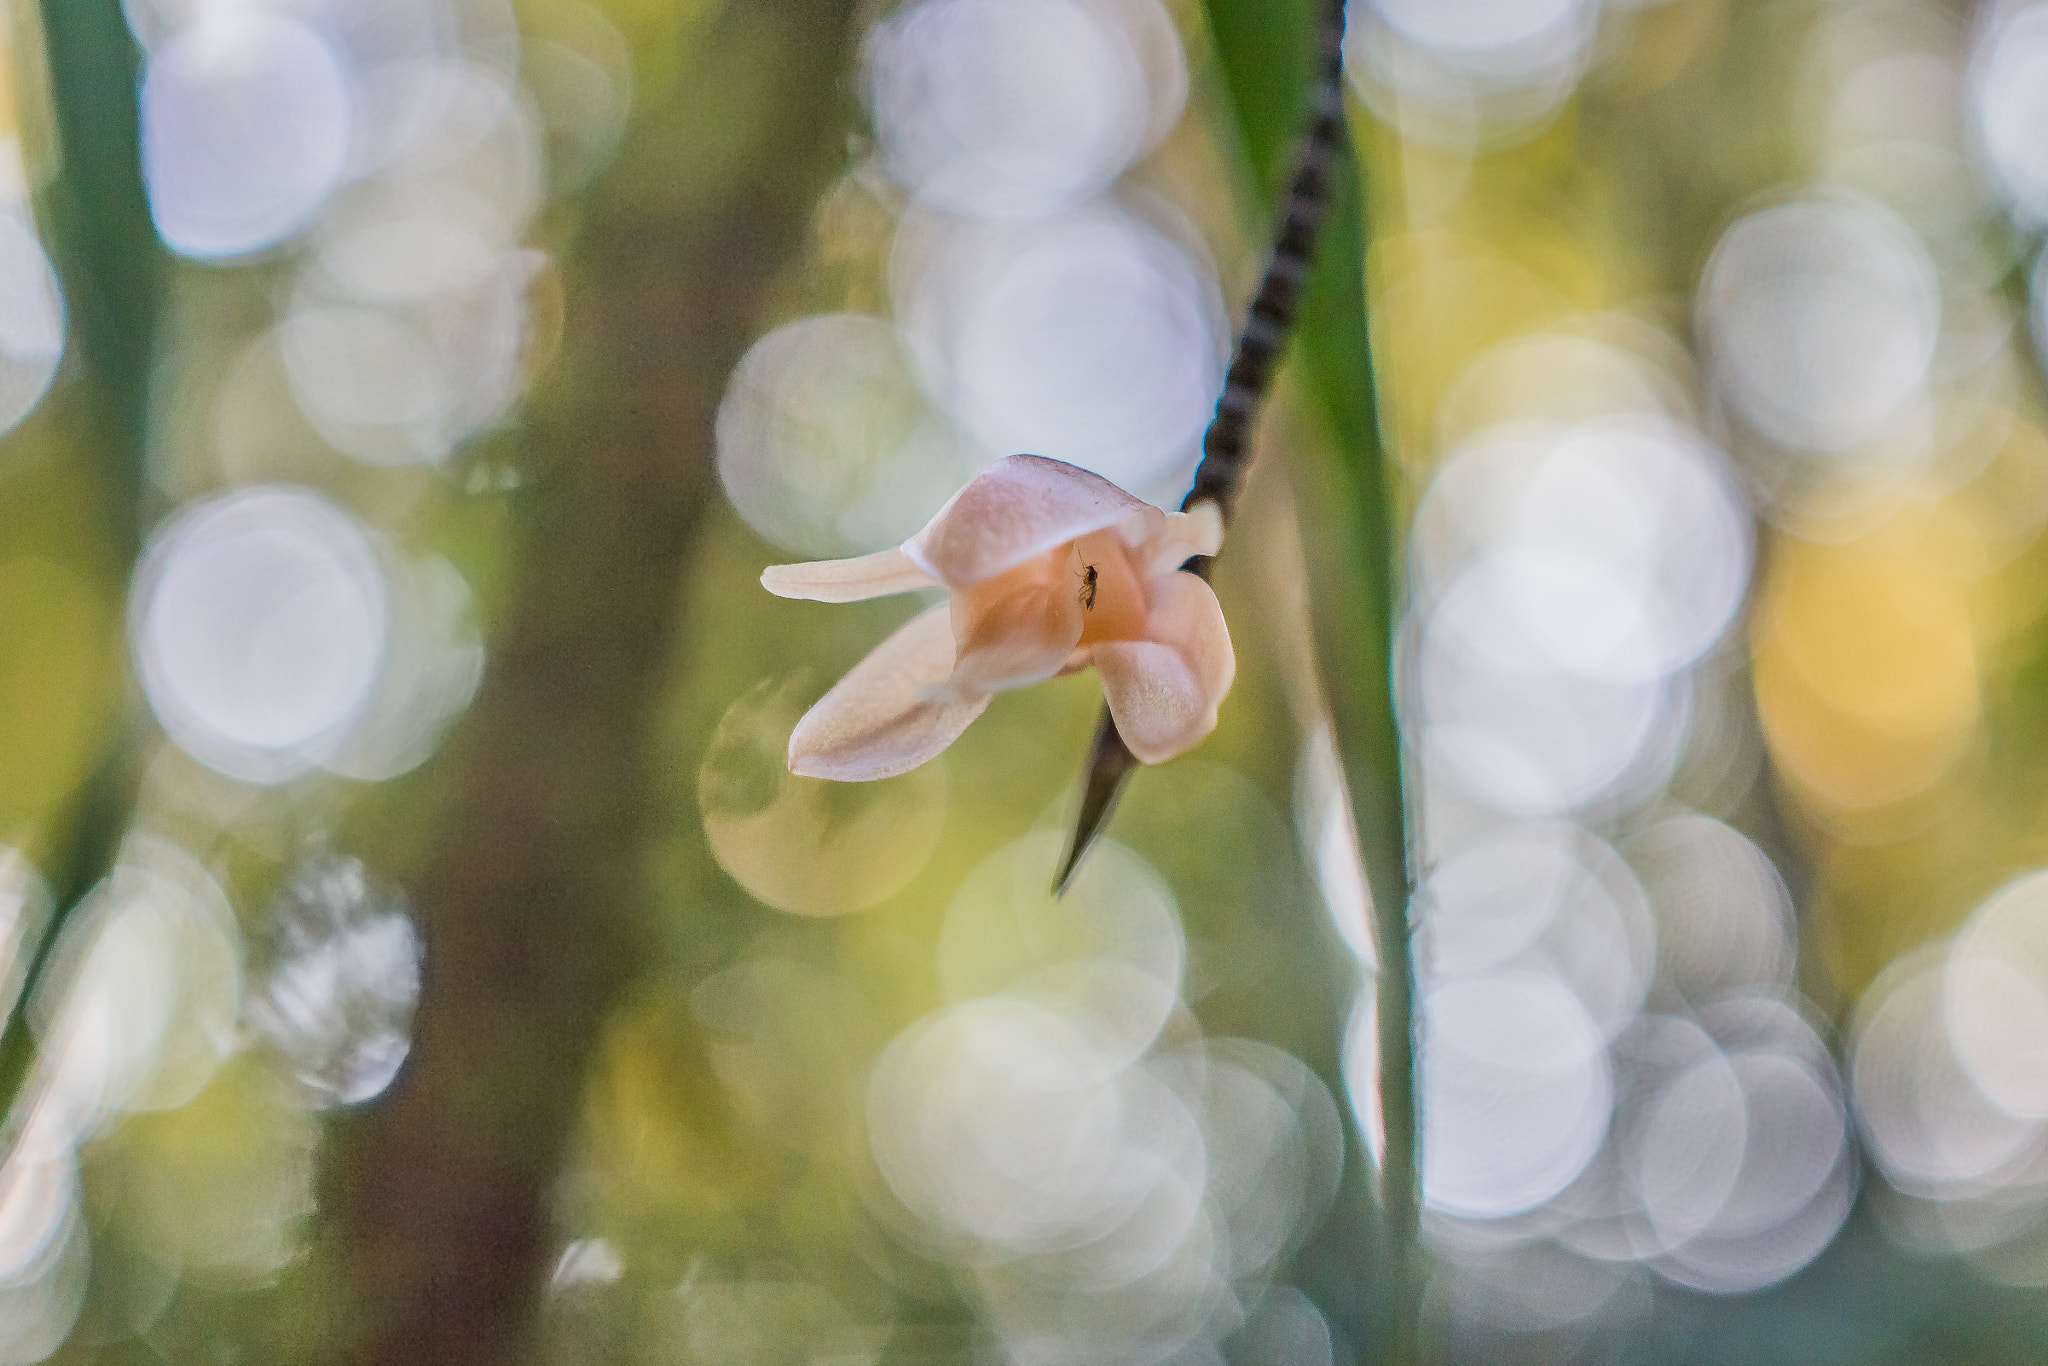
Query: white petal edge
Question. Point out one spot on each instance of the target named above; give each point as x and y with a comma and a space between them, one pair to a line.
1183, 535
1021, 506
855, 580
1163, 691
877, 722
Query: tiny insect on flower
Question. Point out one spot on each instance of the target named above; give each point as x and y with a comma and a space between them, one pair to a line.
1049, 569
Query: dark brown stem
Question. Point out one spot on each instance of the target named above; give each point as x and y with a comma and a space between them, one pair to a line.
1255, 357
442, 1197
1270, 318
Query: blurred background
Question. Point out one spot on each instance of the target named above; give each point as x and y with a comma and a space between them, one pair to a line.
400, 398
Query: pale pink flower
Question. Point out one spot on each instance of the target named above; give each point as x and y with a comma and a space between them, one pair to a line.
1049, 569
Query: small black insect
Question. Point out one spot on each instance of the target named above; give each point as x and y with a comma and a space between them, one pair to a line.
1088, 584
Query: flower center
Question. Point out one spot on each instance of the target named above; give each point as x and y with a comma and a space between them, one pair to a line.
1108, 588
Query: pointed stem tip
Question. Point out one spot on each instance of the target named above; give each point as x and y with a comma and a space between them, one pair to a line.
1110, 762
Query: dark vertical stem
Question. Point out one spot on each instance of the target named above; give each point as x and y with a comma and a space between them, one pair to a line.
1270, 319
113, 268
442, 1197
1357, 584
1255, 356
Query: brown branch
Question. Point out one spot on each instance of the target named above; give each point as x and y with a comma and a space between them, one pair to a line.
442, 1196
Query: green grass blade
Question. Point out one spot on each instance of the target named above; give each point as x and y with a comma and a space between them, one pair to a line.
113, 267
1265, 54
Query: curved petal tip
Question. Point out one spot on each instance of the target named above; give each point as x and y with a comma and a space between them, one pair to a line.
882, 720
865, 576
1163, 691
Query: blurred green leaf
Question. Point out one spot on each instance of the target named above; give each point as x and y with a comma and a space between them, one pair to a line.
107, 251
1269, 58
113, 268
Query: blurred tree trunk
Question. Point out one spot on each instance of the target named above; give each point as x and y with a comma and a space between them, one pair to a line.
94, 215
442, 1196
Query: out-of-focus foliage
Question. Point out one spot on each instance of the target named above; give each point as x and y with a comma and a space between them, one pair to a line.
1706, 352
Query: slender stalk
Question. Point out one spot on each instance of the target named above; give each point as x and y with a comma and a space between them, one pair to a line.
1255, 358
113, 267
1355, 579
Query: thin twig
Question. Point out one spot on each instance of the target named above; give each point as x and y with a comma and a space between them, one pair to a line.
1226, 445
1355, 595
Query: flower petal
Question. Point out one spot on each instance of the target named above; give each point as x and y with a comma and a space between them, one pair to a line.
878, 721
1117, 596
1021, 506
1185, 534
867, 576
1017, 628
1163, 690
